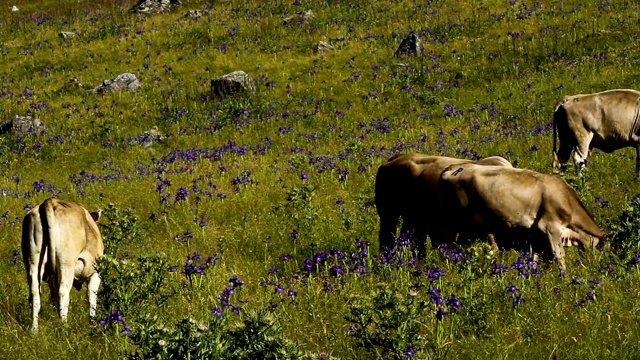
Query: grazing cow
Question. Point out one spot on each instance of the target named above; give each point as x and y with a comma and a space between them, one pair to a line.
606, 120
60, 244
407, 187
498, 199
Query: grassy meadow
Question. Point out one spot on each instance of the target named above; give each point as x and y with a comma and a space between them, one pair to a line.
250, 231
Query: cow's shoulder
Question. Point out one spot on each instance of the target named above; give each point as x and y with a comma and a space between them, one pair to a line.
495, 160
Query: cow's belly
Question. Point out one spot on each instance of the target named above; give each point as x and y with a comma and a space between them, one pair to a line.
610, 143
496, 218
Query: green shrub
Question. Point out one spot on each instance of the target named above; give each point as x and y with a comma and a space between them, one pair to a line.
133, 287
258, 336
122, 226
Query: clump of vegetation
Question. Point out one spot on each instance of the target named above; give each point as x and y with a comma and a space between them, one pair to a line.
122, 226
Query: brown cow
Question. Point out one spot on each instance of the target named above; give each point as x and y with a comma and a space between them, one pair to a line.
60, 244
407, 187
606, 120
497, 198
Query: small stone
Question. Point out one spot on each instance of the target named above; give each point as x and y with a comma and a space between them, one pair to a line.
410, 45
27, 125
67, 34
324, 47
193, 13
125, 81
232, 83
299, 18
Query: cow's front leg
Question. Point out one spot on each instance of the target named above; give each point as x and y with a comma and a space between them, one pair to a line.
581, 151
554, 237
637, 159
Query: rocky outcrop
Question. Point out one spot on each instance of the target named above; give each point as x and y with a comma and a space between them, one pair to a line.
126, 82
410, 45
232, 83
66, 34
155, 6
324, 47
147, 138
193, 14
299, 18
22, 125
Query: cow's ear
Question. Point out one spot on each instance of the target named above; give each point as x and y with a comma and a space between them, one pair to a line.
95, 215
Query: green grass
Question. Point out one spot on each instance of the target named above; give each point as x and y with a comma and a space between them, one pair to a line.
336, 117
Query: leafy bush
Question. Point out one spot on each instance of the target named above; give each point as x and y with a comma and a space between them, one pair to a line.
259, 336
625, 231
133, 287
122, 227
388, 323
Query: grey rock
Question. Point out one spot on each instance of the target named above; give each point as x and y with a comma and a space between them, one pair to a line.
410, 45
150, 136
232, 83
299, 18
67, 34
193, 13
324, 47
125, 81
27, 125
155, 6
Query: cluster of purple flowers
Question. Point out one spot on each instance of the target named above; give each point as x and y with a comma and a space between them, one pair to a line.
279, 290
115, 318
402, 252
226, 293
191, 266
591, 296
243, 179
337, 269
526, 266
15, 260
513, 290
452, 302
188, 234
454, 255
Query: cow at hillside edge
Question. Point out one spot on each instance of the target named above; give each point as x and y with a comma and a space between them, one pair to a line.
606, 120
499, 199
60, 244
407, 187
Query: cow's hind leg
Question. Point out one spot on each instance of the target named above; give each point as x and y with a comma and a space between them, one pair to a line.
92, 293
637, 158
388, 228
64, 291
33, 278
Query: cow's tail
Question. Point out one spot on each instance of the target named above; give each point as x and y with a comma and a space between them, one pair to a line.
49, 234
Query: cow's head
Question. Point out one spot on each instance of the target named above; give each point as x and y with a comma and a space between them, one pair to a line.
605, 242
95, 215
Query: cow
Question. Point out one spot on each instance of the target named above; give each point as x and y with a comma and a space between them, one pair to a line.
406, 187
606, 120
499, 199
60, 244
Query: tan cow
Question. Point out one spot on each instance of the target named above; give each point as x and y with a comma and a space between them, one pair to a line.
606, 120
407, 187
60, 244
498, 199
